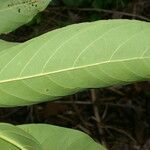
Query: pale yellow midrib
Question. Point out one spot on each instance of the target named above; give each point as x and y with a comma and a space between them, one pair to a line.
11, 142
71, 69
14, 142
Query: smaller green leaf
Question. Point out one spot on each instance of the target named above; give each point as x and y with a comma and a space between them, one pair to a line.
14, 138
58, 138
14, 14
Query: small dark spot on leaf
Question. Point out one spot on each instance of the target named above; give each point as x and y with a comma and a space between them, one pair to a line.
19, 10
47, 90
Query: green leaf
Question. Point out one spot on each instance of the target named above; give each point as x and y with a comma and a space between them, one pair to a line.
57, 138
74, 58
14, 14
44, 137
14, 138
5, 45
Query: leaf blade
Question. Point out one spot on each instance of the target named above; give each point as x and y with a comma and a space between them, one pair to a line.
14, 14
71, 59
15, 138
58, 138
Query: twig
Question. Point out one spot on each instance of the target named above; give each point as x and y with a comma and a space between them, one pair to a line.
30, 116
116, 91
96, 113
75, 102
11, 113
103, 10
120, 131
79, 126
83, 121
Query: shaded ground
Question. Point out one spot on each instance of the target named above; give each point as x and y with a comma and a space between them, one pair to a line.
118, 117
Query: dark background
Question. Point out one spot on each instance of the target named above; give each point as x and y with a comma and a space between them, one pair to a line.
118, 117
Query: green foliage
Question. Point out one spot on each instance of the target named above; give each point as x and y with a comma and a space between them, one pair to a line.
14, 14
5, 45
73, 58
63, 138
33, 137
62, 62
44, 137
14, 138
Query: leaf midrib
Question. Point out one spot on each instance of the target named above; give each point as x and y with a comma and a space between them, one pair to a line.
71, 69
5, 139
